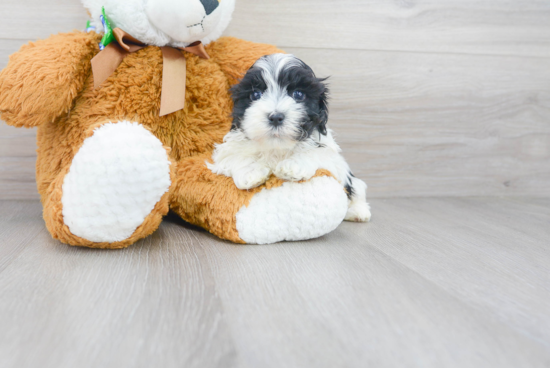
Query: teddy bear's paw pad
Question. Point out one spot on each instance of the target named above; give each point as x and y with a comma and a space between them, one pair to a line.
115, 180
293, 211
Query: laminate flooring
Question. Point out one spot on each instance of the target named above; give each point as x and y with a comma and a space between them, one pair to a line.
430, 282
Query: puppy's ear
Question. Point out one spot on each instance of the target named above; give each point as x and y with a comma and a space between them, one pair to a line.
323, 107
236, 89
245, 84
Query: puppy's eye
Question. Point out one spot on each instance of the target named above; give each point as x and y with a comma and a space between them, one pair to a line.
256, 95
298, 95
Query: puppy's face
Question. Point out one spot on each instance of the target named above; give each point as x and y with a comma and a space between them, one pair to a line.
280, 101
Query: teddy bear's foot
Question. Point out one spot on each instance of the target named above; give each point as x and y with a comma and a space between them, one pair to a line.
273, 212
117, 185
293, 211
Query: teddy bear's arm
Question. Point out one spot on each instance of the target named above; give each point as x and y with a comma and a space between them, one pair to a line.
236, 56
42, 80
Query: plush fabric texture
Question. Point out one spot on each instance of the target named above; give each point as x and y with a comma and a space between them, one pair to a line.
48, 84
42, 80
293, 211
213, 201
115, 180
164, 22
52, 199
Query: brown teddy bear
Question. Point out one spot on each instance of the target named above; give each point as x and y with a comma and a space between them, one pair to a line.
124, 133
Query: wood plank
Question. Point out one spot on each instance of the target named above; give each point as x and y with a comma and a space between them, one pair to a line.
17, 179
355, 308
17, 163
35, 19
474, 26
491, 253
429, 283
8, 47
480, 27
17, 148
154, 304
413, 124
20, 224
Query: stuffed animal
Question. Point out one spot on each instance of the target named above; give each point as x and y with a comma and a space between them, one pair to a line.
128, 115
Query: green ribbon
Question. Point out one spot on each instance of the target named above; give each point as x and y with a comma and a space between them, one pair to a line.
108, 35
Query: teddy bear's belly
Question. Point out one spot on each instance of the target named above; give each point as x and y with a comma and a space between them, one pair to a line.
134, 92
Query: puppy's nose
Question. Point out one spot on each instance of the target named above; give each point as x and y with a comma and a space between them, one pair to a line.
276, 119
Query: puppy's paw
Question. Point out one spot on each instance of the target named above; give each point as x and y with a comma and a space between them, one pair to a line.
292, 170
251, 177
358, 212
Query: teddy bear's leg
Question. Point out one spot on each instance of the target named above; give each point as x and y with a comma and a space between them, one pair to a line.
273, 212
115, 191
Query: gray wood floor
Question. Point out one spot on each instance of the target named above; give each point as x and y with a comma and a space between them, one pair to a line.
448, 282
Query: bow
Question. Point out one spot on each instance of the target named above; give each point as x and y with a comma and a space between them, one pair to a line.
173, 73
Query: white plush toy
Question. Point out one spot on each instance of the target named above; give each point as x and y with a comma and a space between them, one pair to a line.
176, 23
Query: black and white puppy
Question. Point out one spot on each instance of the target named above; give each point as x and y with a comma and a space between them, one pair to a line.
280, 126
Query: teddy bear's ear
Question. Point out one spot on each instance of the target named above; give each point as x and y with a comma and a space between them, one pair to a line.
226, 9
42, 80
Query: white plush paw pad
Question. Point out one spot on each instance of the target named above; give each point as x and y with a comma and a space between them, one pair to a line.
358, 212
293, 211
115, 180
294, 171
253, 177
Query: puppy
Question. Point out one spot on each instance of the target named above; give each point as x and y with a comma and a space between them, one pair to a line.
280, 126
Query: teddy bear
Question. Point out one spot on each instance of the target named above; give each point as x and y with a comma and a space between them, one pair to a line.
128, 115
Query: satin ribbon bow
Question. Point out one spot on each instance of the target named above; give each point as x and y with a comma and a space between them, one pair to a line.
173, 73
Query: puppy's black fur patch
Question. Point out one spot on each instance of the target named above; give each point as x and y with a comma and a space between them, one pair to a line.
252, 81
303, 79
349, 188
